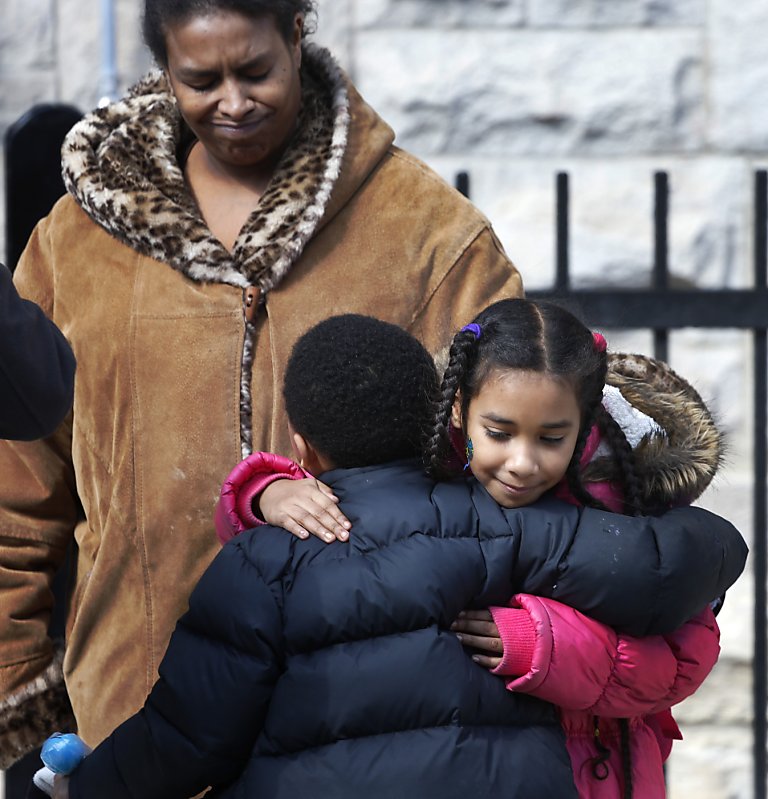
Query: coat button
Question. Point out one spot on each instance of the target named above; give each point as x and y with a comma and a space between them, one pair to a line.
251, 302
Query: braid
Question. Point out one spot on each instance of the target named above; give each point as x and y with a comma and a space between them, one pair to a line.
626, 758
624, 457
437, 445
593, 391
599, 763
573, 473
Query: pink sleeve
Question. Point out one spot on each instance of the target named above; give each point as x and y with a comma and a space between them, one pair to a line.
580, 664
234, 511
519, 639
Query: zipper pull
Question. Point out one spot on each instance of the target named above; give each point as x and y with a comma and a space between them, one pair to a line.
251, 302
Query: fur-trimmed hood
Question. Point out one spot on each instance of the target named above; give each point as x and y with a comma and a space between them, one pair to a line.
677, 460
121, 165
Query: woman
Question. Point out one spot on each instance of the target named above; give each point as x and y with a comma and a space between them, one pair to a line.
219, 210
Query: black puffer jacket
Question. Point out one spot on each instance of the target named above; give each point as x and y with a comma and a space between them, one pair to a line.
37, 368
306, 670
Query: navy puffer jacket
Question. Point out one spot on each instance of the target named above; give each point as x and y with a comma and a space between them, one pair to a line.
306, 670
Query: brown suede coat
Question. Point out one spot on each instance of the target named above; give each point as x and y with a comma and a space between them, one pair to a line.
173, 386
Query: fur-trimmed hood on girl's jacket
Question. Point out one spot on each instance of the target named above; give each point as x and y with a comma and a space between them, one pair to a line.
181, 347
679, 454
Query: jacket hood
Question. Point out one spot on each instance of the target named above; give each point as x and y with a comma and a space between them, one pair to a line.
121, 164
676, 462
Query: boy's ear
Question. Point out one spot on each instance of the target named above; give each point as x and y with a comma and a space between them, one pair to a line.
307, 456
300, 447
456, 412
298, 444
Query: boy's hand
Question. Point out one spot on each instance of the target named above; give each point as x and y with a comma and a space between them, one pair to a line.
60, 787
303, 507
477, 630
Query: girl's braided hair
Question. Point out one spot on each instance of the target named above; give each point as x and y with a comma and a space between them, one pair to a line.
533, 336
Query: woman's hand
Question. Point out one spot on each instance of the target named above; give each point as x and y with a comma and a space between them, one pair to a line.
477, 630
304, 507
60, 787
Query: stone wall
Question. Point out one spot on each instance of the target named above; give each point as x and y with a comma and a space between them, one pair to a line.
513, 91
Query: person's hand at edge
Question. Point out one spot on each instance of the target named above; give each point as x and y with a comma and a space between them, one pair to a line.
60, 787
304, 507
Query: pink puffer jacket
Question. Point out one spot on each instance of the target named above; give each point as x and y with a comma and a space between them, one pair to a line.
597, 676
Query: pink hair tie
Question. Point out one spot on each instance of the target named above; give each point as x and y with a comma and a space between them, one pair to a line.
601, 345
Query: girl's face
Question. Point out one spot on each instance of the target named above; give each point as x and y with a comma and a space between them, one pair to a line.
236, 81
524, 426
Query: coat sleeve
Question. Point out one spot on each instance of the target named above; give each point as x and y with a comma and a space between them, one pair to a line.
640, 575
234, 511
37, 368
202, 717
580, 664
38, 512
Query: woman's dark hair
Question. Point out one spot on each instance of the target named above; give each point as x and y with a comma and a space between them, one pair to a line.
537, 337
159, 15
360, 390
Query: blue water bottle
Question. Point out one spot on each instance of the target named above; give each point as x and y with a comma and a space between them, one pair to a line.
61, 754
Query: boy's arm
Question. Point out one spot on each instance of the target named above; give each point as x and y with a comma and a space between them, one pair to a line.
642, 575
202, 717
580, 664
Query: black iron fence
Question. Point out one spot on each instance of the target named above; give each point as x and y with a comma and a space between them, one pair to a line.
662, 308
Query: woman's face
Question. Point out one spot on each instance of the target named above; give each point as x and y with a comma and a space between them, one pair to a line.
236, 81
524, 426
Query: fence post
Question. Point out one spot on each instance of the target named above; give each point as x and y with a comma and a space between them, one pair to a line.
33, 170
759, 554
661, 254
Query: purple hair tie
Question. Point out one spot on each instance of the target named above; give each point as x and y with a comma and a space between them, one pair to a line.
473, 328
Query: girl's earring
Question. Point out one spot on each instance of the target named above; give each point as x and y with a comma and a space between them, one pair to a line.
469, 451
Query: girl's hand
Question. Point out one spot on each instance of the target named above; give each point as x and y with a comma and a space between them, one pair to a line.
60, 787
303, 507
477, 630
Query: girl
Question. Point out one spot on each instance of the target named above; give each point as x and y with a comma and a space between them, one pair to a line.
526, 390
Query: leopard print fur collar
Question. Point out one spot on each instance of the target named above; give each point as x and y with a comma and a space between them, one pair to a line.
120, 164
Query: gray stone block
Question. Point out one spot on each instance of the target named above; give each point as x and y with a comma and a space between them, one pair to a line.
510, 93
26, 35
605, 13
439, 14
738, 76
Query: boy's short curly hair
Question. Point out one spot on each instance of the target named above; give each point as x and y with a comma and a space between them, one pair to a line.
359, 390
